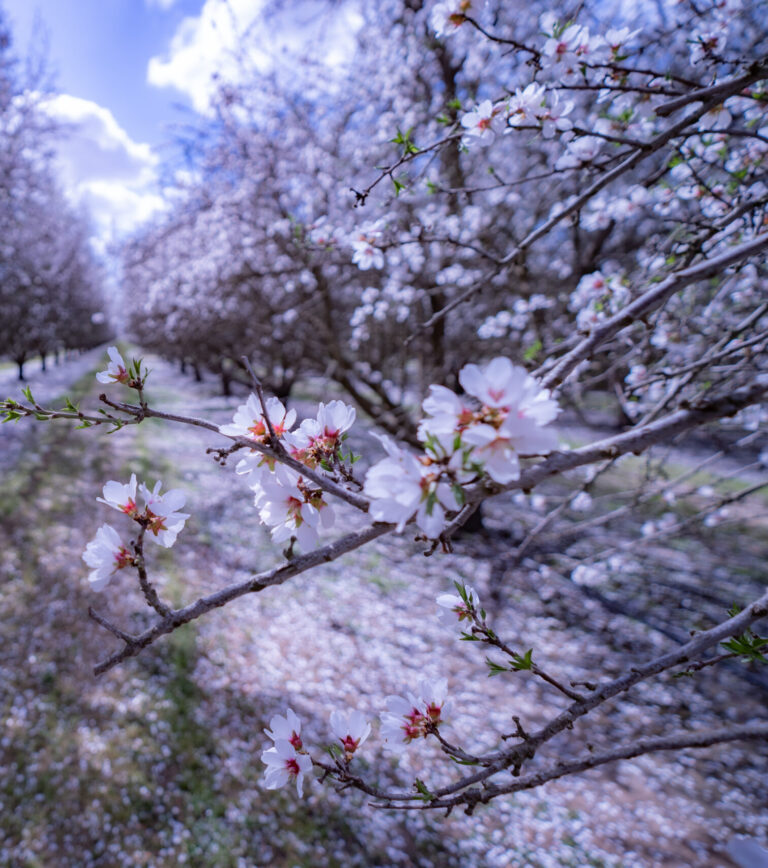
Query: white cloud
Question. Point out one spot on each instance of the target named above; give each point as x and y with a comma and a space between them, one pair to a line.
102, 168
212, 43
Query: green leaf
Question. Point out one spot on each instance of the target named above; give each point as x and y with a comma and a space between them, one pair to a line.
533, 350
494, 668
522, 662
423, 791
748, 646
405, 139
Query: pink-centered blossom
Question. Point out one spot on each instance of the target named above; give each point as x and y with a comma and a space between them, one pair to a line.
563, 48
351, 729
448, 412
365, 250
292, 507
526, 104
121, 496
116, 371
401, 486
159, 515
448, 15
414, 716
284, 764
105, 554
478, 122
617, 38
249, 420
510, 421
320, 439
164, 521
366, 255
287, 728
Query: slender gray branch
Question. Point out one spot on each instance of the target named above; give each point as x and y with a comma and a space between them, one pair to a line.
647, 302
680, 740
268, 578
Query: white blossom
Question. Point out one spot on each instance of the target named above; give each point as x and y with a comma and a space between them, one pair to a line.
454, 610
116, 371
285, 763
351, 729
106, 554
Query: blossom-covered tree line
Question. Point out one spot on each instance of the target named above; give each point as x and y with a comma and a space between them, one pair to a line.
497, 215
50, 280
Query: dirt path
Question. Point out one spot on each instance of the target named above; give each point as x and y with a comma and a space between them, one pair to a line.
157, 763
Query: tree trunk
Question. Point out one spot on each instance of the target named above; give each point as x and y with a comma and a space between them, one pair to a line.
226, 383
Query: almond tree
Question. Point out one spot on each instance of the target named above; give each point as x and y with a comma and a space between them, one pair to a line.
564, 211
50, 282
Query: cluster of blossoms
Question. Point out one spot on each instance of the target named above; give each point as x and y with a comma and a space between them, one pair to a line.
414, 715
526, 107
567, 49
365, 241
463, 438
159, 516
287, 502
603, 210
570, 46
407, 718
287, 759
517, 319
708, 40
595, 574
596, 297
378, 304
644, 391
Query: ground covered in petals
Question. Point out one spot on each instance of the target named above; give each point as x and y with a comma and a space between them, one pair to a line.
157, 763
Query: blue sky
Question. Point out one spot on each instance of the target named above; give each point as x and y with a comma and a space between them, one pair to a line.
100, 50
126, 71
